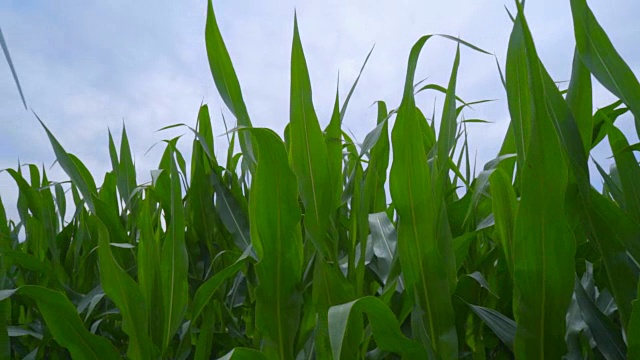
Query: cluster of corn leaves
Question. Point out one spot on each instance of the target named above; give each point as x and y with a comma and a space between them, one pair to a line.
293, 249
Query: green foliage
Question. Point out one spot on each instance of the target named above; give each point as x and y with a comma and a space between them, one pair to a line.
294, 250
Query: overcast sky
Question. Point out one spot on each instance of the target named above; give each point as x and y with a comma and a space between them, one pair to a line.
87, 66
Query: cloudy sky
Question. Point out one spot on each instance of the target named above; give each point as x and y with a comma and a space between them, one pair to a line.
87, 66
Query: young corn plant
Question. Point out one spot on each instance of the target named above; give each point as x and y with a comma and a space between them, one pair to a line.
293, 249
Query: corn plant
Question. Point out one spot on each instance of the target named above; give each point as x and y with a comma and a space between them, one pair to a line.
314, 246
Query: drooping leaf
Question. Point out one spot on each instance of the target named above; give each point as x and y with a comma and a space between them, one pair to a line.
78, 174
231, 214
7, 56
206, 291
601, 58
65, 325
243, 354
384, 239
501, 325
605, 333
628, 170
385, 328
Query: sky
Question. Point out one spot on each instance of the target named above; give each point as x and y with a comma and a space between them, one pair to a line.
88, 66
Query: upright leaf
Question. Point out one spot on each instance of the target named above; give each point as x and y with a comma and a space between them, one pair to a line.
126, 171
149, 270
579, 100
448, 126
333, 141
225, 78
543, 246
126, 294
308, 153
376, 176
426, 277
173, 256
518, 94
276, 236
505, 206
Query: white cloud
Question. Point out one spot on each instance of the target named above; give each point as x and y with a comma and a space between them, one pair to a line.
86, 66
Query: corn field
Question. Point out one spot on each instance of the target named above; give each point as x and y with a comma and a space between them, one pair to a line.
314, 246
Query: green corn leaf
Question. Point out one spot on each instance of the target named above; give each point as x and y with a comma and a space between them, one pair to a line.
65, 325
243, 354
61, 201
633, 334
449, 126
78, 174
200, 210
579, 100
438, 88
206, 291
231, 214
605, 333
426, 277
384, 240
276, 236
333, 143
518, 94
602, 59
149, 270
127, 171
543, 246
7, 56
308, 153
606, 115
616, 236
376, 175
628, 170
5, 320
385, 328
611, 186
173, 256
126, 294
330, 288
225, 78
204, 344
501, 325
505, 209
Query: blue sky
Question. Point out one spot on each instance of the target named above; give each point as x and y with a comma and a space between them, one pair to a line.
87, 66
